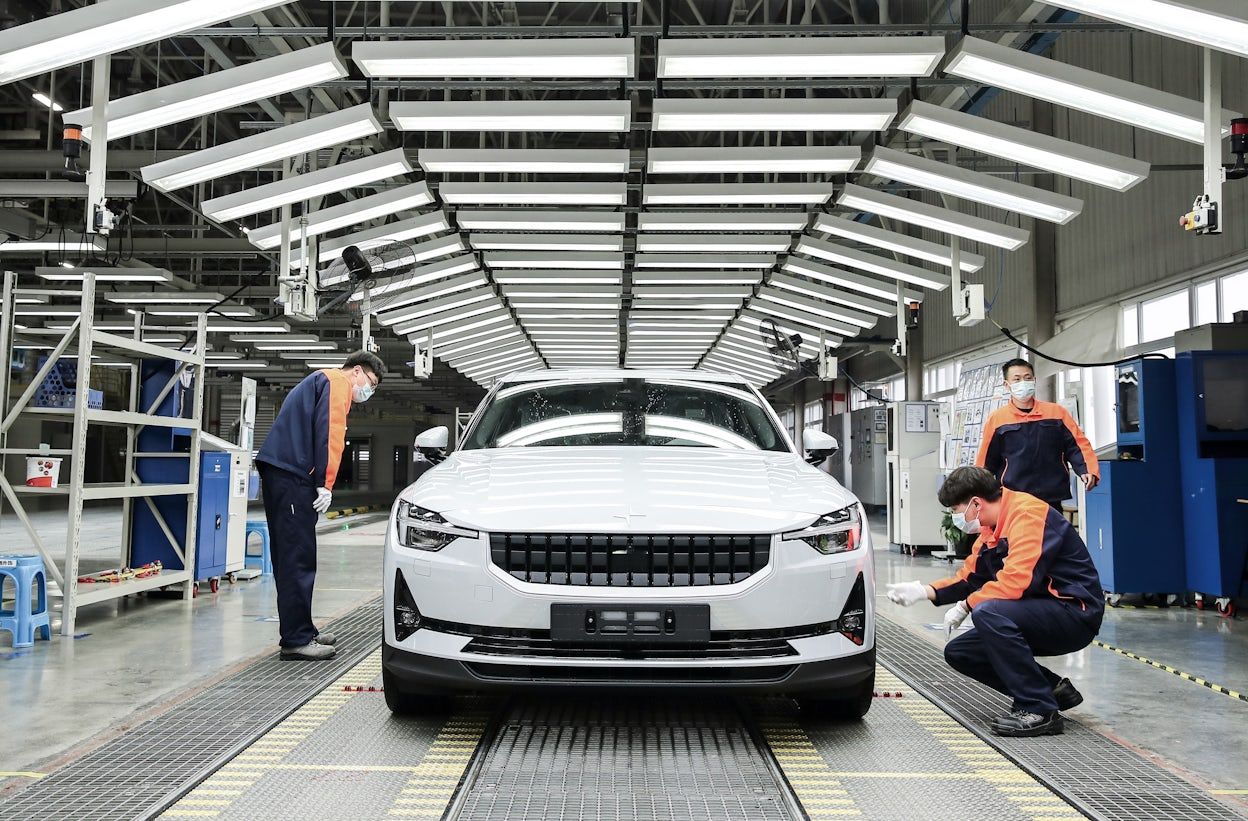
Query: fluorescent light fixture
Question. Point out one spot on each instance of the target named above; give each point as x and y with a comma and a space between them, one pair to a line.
524, 161
63, 243
355, 212
871, 262
214, 92
232, 311
773, 114
817, 307
47, 102
537, 57
263, 148
164, 297
225, 326
507, 340
800, 317
567, 303
240, 365
849, 280
523, 276
1074, 87
306, 186
740, 193
817, 291
775, 243
526, 220
976, 186
696, 277
433, 306
799, 57
134, 275
451, 315
594, 312
72, 37
704, 260
1023, 146
441, 288
64, 189
545, 242
432, 272
287, 345
722, 220
772, 160
690, 292
370, 238
933, 217
612, 291
686, 303
533, 193
572, 116
847, 228
597, 260
1219, 24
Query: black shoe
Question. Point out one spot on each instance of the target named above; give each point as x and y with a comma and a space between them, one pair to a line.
1022, 724
1068, 698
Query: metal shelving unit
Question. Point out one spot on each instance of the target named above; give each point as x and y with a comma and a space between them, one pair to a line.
82, 337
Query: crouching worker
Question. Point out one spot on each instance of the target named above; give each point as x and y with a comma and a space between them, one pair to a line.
1033, 590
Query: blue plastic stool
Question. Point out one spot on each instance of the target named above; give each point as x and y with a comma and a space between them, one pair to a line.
25, 617
263, 560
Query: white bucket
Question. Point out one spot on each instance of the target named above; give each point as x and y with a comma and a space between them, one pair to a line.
42, 471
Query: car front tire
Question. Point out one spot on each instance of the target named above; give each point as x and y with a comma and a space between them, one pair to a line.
851, 707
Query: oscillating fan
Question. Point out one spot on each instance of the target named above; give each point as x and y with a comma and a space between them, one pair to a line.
379, 269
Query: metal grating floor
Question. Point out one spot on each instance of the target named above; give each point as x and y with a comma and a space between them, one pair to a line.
1107, 780
575, 757
140, 772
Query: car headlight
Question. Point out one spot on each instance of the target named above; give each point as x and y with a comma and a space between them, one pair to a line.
423, 529
836, 532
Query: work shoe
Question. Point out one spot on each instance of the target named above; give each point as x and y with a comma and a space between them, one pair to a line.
308, 652
1022, 724
329, 640
1068, 698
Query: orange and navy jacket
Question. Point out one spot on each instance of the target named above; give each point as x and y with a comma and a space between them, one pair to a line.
308, 435
1033, 553
1033, 450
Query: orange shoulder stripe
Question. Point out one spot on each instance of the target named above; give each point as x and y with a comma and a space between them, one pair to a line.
339, 407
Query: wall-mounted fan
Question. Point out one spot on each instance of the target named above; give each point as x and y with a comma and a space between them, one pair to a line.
786, 352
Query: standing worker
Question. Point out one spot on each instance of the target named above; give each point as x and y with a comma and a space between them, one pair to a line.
298, 464
1031, 445
1033, 589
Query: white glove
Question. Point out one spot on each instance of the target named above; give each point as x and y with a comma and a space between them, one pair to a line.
322, 500
954, 617
907, 593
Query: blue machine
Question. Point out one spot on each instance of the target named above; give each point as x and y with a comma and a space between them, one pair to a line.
1213, 444
1135, 515
162, 455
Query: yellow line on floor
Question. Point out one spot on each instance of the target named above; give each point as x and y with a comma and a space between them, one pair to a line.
805, 770
1229, 792
21, 774
1217, 688
429, 791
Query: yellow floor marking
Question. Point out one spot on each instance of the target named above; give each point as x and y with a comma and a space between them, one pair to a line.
807, 771
1229, 792
175, 812
20, 774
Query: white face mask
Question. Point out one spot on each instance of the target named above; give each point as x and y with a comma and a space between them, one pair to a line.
1022, 391
361, 393
968, 526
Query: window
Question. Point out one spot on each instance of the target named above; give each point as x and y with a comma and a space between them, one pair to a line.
1130, 326
786, 419
1234, 295
813, 415
1164, 316
1207, 302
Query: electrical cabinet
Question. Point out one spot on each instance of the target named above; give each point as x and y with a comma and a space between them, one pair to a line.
868, 455
914, 475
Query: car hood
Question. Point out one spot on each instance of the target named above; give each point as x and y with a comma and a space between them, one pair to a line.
628, 489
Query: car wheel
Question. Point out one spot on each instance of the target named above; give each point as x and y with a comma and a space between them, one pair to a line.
847, 708
404, 702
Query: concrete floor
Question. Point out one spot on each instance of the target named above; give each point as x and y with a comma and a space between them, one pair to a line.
134, 657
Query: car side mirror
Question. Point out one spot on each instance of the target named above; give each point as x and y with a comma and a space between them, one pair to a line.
819, 445
433, 439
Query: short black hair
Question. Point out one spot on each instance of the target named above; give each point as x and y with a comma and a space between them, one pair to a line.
966, 482
368, 360
1015, 363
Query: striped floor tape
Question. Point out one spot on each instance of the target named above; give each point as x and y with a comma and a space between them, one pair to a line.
351, 511
1217, 688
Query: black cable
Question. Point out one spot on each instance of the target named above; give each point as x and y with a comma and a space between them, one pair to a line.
1067, 362
864, 391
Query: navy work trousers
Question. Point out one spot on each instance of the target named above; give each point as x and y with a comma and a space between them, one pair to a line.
288, 500
1000, 651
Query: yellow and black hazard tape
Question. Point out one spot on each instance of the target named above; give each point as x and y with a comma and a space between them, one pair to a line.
1217, 688
351, 511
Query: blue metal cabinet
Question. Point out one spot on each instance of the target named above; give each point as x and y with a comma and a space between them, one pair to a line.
148, 541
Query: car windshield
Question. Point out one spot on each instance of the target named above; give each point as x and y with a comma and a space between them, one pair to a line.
636, 412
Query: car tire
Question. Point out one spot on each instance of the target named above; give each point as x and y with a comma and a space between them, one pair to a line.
404, 702
847, 708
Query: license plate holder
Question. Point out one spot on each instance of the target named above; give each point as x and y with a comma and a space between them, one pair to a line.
627, 624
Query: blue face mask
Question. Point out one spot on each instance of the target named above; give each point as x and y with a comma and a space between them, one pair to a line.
361, 393
968, 526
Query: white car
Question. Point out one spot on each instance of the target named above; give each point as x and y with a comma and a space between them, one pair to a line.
628, 528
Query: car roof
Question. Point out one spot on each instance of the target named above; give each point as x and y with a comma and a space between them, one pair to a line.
721, 377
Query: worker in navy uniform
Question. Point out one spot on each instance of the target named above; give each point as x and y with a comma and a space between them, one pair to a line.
298, 465
1033, 590
1030, 445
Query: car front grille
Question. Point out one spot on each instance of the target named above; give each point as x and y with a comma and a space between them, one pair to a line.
630, 560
